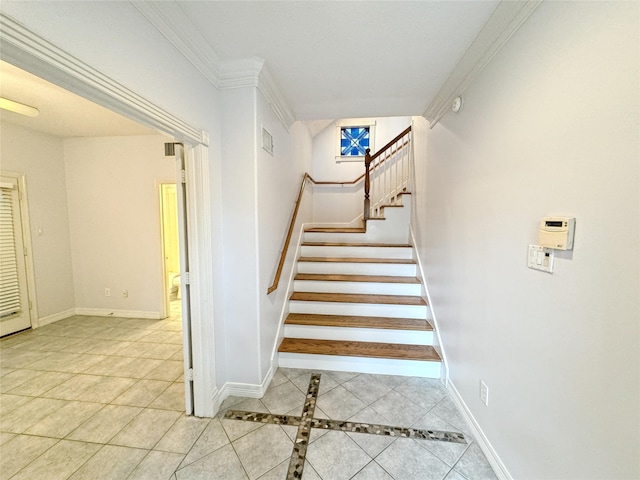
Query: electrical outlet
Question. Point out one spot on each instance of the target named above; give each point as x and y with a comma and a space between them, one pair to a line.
107, 292
484, 393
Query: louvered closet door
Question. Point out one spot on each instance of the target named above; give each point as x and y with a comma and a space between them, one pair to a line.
14, 298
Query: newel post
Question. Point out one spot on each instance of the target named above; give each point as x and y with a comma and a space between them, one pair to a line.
367, 185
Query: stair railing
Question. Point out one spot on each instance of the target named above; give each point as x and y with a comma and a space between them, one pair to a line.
388, 171
305, 180
387, 174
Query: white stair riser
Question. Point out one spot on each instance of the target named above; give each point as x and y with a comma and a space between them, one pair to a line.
347, 268
359, 309
356, 251
378, 335
318, 237
380, 366
373, 288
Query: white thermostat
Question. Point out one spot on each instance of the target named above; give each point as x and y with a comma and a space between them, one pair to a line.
557, 232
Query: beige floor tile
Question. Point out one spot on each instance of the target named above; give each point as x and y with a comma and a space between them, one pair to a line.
110, 463
134, 349
111, 366
20, 451
283, 398
146, 429
9, 402
142, 393
59, 462
161, 351
171, 399
15, 358
22, 418
66, 362
409, 461
323, 457
157, 466
5, 437
183, 434
263, 449
16, 378
91, 388
223, 464
105, 424
65, 420
339, 403
212, 438
169, 370
41, 384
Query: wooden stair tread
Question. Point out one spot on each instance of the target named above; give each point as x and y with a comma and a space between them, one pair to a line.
329, 277
352, 321
356, 260
358, 298
359, 349
336, 229
347, 244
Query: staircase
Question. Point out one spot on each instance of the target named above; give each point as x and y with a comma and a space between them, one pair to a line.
357, 303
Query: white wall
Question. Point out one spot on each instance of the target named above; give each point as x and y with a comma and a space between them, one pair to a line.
40, 157
550, 127
278, 182
114, 217
239, 199
258, 195
344, 204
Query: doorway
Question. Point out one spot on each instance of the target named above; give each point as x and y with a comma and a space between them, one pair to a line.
49, 61
170, 247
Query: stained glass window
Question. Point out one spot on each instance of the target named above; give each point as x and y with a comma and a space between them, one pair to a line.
354, 141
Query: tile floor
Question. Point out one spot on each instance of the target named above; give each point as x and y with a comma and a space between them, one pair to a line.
103, 398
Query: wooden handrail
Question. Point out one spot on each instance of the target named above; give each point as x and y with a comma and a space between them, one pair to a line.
294, 216
307, 177
389, 144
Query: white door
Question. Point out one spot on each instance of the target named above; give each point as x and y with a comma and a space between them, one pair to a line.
185, 295
14, 293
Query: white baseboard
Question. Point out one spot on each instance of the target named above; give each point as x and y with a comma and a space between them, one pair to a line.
103, 312
56, 317
483, 442
95, 312
247, 390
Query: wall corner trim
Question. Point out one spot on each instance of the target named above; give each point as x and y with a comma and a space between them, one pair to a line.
483, 442
506, 19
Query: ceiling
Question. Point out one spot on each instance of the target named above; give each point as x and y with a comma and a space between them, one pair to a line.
62, 113
341, 59
330, 59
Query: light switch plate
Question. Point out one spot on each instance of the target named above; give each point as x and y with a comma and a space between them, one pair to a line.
540, 258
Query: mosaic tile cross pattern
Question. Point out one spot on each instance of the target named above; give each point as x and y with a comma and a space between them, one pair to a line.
306, 422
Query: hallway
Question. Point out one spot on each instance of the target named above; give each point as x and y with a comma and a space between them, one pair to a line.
102, 398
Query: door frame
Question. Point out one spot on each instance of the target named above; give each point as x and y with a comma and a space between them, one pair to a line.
29, 51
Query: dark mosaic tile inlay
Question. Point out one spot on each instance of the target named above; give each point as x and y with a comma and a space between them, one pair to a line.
387, 430
306, 422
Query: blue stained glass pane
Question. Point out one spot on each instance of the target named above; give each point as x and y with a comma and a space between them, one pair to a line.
354, 141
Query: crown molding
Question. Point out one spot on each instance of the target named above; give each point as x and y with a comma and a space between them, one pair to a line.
240, 73
170, 20
503, 23
29, 51
271, 92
